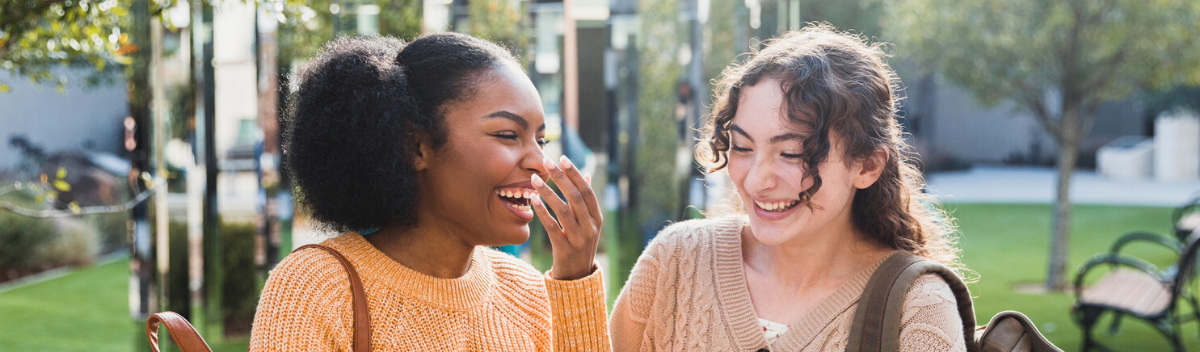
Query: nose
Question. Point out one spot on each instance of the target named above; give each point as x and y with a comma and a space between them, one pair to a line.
761, 177
532, 161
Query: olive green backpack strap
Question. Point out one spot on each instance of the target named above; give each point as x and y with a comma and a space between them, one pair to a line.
876, 325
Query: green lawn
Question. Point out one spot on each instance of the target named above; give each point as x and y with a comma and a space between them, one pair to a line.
87, 310
1005, 244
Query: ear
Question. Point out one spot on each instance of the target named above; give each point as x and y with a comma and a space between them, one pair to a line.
423, 152
870, 169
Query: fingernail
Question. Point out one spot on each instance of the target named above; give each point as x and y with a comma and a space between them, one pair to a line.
535, 200
537, 181
587, 178
566, 163
549, 164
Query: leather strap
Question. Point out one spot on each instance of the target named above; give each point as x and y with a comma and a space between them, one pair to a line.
181, 331
362, 314
876, 325
189, 340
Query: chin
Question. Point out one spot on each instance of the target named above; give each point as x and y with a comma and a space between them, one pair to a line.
769, 234
511, 236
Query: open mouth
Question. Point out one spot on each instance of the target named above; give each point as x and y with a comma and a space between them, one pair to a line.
779, 206
517, 197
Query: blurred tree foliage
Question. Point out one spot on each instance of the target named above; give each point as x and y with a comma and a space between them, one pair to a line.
860, 16
723, 46
37, 36
503, 22
659, 40
1057, 59
400, 18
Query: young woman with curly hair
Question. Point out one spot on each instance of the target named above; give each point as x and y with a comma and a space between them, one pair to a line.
437, 144
807, 131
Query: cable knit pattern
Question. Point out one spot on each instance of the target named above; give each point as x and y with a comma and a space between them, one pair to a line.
501, 304
688, 293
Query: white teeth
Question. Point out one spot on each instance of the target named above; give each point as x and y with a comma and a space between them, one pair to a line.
774, 206
516, 193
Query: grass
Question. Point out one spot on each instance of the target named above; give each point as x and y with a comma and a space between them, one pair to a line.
1006, 245
87, 310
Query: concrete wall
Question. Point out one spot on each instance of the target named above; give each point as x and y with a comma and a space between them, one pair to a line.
56, 121
958, 126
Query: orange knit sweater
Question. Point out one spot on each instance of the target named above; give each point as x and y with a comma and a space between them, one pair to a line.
501, 304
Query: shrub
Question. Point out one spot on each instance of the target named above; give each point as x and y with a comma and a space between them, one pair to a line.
240, 290
74, 243
112, 229
20, 237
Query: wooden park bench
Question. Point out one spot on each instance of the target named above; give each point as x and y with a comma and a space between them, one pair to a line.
1137, 288
1186, 219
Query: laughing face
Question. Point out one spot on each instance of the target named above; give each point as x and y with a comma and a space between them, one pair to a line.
478, 183
765, 163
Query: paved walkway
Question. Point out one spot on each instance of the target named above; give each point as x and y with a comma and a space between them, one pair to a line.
1013, 184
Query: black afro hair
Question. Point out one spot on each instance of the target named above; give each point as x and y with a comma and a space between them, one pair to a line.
353, 124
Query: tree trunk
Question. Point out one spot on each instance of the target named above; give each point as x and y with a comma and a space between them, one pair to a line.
1060, 238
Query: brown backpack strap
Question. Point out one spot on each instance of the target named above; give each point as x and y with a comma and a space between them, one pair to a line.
876, 325
181, 331
190, 341
362, 315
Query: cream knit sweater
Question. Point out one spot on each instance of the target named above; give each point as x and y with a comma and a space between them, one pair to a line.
501, 304
688, 293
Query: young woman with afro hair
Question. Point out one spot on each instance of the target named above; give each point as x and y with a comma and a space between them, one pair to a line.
436, 143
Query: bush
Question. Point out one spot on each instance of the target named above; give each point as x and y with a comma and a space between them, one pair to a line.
20, 237
178, 294
75, 243
240, 290
112, 229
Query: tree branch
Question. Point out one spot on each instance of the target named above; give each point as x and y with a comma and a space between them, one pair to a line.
104, 209
1037, 104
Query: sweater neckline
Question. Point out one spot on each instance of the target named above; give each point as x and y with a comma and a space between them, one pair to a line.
456, 294
735, 291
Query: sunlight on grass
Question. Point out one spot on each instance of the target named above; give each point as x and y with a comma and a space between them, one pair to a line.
87, 310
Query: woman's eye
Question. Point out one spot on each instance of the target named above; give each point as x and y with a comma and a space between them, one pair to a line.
791, 156
542, 142
739, 149
506, 135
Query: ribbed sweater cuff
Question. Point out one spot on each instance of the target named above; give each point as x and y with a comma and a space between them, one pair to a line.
580, 321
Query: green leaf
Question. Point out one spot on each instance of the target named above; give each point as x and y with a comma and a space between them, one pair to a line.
62, 185
62, 172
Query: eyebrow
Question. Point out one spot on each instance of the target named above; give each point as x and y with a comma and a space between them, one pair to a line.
514, 118
776, 139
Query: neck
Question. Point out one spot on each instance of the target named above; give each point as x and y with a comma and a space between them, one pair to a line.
431, 248
826, 257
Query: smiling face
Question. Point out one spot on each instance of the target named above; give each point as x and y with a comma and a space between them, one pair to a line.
766, 166
478, 184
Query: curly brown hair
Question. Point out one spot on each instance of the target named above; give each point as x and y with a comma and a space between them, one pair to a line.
837, 81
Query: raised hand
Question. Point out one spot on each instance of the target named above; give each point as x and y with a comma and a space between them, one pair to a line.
576, 232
